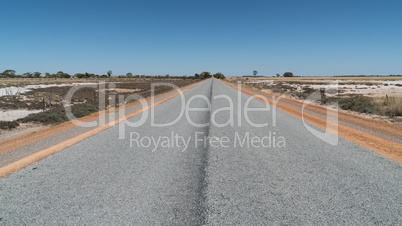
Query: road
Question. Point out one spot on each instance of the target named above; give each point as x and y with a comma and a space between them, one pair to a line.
241, 173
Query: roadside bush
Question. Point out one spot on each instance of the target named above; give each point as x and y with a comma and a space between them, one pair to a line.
81, 110
301, 95
288, 74
8, 125
12, 103
58, 114
52, 116
360, 104
390, 106
387, 106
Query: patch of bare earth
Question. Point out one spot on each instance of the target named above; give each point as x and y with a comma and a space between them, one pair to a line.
21, 130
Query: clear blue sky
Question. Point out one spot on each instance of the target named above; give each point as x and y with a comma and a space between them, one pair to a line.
158, 37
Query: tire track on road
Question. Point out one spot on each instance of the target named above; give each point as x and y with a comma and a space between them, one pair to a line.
204, 163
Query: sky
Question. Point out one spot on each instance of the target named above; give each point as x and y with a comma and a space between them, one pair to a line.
184, 37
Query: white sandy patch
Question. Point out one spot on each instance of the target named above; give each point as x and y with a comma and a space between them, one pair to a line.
377, 89
23, 89
392, 82
11, 115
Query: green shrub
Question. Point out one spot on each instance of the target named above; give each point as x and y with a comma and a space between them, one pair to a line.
8, 125
81, 110
301, 95
288, 74
360, 104
58, 114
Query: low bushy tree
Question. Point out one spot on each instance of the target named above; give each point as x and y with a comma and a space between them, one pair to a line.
8, 73
288, 74
219, 75
205, 75
255, 72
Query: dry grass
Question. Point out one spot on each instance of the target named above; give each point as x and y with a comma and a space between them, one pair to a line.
390, 106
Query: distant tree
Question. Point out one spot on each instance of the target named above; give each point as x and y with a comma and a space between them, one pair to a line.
219, 75
37, 74
27, 75
288, 74
278, 75
109, 73
79, 75
129, 74
61, 74
167, 76
205, 75
48, 75
8, 73
255, 72
196, 75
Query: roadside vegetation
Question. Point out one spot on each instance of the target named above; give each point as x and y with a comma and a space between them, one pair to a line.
60, 75
358, 95
50, 100
5, 125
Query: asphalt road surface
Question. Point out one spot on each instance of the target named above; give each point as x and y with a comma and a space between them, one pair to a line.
213, 165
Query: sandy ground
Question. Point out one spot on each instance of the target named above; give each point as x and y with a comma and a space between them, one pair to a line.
11, 115
377, 88
23, 89
23, 129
